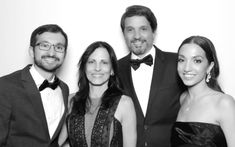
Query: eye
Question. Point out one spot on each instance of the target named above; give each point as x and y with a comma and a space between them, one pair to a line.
90, 61
59, 47
144, 28
45, 45
198, 61
180, 60
129, 29
105, 62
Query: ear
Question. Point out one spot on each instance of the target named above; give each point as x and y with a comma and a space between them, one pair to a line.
31, 51
210, 67
154, 34
112, 73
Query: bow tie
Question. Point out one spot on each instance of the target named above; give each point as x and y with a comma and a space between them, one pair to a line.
52, 85
136, 63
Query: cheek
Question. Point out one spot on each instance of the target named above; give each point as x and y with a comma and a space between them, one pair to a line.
128, 37
202, 70
179, 68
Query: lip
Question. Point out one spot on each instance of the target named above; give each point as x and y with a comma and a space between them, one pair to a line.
50, 60
188, 76
97, 74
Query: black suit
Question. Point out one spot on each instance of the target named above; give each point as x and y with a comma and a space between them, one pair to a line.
154, 128
22, 118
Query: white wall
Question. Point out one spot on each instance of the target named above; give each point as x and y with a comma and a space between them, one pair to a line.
92, 20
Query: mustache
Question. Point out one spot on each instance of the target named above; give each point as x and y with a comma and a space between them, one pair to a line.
47, 56
135, 40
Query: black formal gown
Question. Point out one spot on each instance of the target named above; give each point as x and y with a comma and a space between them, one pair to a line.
197, 134
100, 136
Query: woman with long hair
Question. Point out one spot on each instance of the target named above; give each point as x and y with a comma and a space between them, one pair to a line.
207, 115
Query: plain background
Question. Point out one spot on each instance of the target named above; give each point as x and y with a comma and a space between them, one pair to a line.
93, 20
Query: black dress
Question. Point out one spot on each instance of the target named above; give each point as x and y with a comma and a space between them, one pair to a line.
100, 136
197, 134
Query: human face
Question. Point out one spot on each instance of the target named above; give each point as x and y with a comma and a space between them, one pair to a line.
193, 65
48, 61
99, 67
138, 35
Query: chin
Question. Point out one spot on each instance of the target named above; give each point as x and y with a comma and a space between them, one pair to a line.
98, 83
189, 83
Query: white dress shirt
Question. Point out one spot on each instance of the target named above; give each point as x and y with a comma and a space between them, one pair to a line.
52, 101
142, 78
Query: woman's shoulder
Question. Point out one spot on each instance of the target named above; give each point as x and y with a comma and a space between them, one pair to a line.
224, 100
125, 105
125, 100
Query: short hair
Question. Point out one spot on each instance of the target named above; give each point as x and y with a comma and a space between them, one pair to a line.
83, 84
211, 56
138, 10
54, 28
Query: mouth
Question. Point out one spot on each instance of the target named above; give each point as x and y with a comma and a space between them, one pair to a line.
188, 76
97, 75
138, 43
50, 59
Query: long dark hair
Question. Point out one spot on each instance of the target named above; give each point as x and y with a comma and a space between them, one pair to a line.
82, 96
211, 56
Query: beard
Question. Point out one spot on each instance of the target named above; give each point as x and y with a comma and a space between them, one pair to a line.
45, 68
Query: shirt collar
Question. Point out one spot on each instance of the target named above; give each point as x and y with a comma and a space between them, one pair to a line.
37, 77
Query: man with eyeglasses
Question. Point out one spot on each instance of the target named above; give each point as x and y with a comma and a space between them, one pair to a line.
33, 101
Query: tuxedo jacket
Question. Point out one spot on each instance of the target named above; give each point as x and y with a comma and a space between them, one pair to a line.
22, 118
154, 129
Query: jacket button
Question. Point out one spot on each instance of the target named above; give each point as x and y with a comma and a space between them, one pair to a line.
145, 127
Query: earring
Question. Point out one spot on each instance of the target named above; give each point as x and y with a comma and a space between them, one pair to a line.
208, 77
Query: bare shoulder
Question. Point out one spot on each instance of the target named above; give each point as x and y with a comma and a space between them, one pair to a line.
126, 100
225, 101
125, 105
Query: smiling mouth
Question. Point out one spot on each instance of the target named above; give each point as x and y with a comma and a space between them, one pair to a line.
188, 76
50, 60
97, 75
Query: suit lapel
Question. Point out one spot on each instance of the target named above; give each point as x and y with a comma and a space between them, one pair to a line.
35, 98
156, 78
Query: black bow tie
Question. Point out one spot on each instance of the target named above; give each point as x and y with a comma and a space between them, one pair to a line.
136, 63
46, 84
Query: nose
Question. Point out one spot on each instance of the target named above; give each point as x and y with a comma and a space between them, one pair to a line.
187, 67
97, 67
137, 35
52, 51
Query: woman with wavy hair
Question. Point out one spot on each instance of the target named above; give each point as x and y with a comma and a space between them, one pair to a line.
101, 115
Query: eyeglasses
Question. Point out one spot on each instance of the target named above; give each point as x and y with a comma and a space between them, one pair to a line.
46, 47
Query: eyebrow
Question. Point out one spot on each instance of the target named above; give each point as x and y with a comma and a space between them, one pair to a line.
196, 56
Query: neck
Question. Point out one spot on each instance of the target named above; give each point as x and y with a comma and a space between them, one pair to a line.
97, 92
47, 75
199, 90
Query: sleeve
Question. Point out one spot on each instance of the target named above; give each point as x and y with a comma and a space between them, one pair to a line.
5, 113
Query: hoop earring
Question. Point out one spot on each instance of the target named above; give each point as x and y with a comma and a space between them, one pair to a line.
208, 77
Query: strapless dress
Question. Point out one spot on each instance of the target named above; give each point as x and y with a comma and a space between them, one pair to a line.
197, 134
